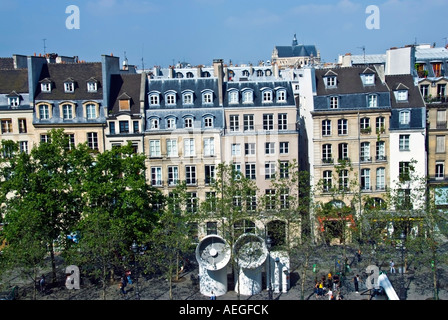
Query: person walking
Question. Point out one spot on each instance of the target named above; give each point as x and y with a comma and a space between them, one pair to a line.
42, 284
122, 285
356, 281
392, 266
213, 296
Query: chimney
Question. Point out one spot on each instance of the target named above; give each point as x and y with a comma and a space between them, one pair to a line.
219, 73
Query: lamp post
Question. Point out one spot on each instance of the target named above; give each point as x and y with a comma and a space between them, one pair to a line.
135, 248
402, 288
268, 246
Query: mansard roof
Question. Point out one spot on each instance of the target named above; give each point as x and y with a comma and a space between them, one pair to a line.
405, 82
80, 73
348, 81
125, 87
257, 87
296, 51
14, 80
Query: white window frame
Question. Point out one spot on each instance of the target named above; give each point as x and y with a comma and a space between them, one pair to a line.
154, 149
171, 148
209, 147
189, 147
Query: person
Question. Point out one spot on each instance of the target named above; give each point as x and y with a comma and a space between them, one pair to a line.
42, 284
330, 294
213, 296
392, 266
128, 276
358, 255
356, 282
122, 285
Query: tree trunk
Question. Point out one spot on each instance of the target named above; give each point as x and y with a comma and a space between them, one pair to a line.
53, 263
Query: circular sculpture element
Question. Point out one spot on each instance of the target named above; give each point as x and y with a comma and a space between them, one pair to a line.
213, 253
250, 251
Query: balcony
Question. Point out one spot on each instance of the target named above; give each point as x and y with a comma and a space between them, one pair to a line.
367, 130
328, 161
365, 159
381, 158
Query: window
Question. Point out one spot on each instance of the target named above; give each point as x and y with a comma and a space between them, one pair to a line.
365, 152
234, 123
187, 98
6, 125
270, 199
212, 227
369, 79
282, 121
268, 121
249, 149
156, 176
171, 148
403, 142
23, 146
92, 140
13, 101
247, 96
154, 149
136, 126
267, 96
251, 200
71, 141
237, 170
236, 149
192, 202
281, 95
171, 123
189, 148
380, 125
284, 147
91, 111
284, 169
327, 153
46, 138
372, 100
424, 90
154, 100
326, 127
402, 95
380, 151
364, 125
404, 169
343, 151
22, 126
209, 173
111, 127
45, 87
250, 171
92, 86
67, 111
331, 81
441, 90
440, 170
44, 112
209, 147
233, 97
365, 179
124, 126
284, 198
327, 180
173, 175
208, 122
249, 122
405, 117
69, 87
188, 122
342, 127
440, 144
154, 124
441, 119
343, 179
190, 175
170, 98
334, 102
207, 98
381, 179
404, 199
269, 170
269, 148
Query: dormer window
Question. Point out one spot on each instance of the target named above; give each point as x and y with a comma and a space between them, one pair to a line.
405, 117
188, 122
369, 79
233, 97
45, 87
170, 98
331, 81
187, 98
267, 95
402, 95
13, 101
92, 86
248, 96
281, 95
372, 101
207, 97
334, 102
154, 98
69, 86
124, 102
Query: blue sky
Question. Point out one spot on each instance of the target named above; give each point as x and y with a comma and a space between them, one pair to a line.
163, 32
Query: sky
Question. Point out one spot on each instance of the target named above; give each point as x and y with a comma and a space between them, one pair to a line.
165, 32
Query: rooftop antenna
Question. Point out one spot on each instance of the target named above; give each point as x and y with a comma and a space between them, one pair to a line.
143, 64
45, 48
364, 51
445, 40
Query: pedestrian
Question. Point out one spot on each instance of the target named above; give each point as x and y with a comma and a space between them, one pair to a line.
320, 290
213, 296
316, 288
122, 285
42, 284
128, 276
358, 255
330, 294
392, 266
356, 281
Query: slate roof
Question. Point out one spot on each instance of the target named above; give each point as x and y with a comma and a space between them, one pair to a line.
125, 86
6, 63
296, 51
14, 80
348, 81
58, 73
405, 82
